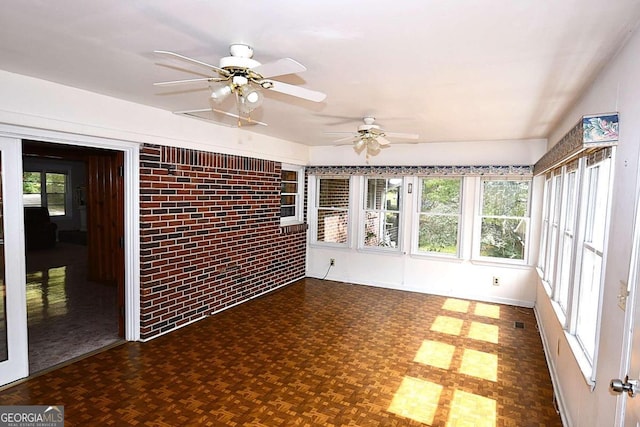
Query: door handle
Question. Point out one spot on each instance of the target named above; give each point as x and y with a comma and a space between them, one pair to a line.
628, 386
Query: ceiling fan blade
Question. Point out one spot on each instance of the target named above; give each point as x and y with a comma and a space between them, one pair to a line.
382, 141
279, 68
213, 110
300, 92
341, 133
193, 61
346, 138
247, 119
402, 135
179, 82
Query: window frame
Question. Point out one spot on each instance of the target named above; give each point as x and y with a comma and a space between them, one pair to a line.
298, 218
44, 194
576, 234
568, 240
415, 232
314, 205
586, 246
544, 232
477, 226
553, 238
363, 214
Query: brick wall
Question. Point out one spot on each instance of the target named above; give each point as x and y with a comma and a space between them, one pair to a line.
210, 235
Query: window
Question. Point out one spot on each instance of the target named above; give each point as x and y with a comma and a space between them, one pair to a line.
45, 189
576, 246
439, 215
382, 212
544, 232
596, 185
291, 188
504, 219
554, 229
332, 210
566, 260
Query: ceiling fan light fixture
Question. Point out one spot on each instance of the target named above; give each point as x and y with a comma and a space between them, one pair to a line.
220, 92
249, 98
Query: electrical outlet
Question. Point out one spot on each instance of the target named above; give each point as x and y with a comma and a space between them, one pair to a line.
496, 281
332, 261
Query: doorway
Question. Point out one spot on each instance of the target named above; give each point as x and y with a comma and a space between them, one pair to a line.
74, 228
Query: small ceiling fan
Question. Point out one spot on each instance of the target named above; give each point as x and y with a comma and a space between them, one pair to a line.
243, 77
370, 137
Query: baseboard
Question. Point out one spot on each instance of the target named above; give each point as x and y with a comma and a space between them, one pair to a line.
557, 394
452, 294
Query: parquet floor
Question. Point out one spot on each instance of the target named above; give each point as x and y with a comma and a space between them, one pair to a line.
317, 353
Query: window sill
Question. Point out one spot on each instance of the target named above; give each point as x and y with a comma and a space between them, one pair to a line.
287, 222
382, 250
502, 263
326, 245
436, 257
293, 228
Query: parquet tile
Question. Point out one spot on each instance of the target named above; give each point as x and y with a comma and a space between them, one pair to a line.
317, 353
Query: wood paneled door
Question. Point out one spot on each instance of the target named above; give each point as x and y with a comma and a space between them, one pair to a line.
105, 223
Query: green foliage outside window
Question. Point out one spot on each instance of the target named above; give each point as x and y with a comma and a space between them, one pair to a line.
53, 196
439, 217
505, 210
31, 182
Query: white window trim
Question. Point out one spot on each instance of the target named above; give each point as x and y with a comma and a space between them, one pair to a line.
415, 230
586, 363
477, 227
362, 209
312, 203
298, 218
68, 196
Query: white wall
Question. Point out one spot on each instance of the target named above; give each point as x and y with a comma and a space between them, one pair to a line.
616, 89
462, 278
35, 103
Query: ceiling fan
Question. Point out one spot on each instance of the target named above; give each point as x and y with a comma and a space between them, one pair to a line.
241, 76
370, 137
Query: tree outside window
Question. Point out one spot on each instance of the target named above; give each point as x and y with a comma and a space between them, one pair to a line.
439, 216
504, 219
32, 188
45, 189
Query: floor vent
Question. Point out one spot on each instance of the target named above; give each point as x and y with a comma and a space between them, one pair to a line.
518, 325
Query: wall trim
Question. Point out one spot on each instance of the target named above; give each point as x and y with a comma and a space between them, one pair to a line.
555, 381
474, 297
488, 170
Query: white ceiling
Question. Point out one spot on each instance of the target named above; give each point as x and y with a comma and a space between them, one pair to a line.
465, 70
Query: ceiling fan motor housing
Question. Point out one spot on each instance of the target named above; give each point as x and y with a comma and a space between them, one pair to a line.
373, 129
240, 58
234, 62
